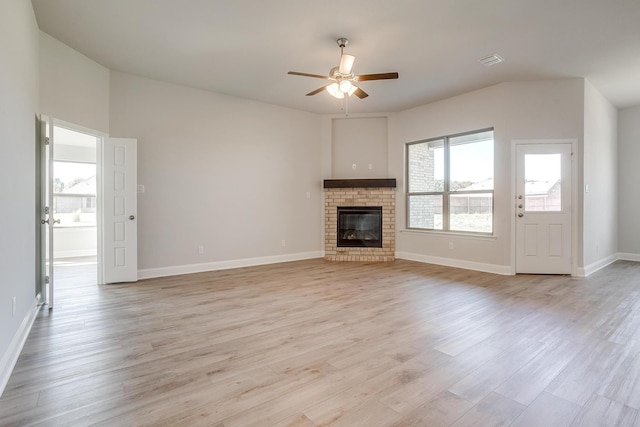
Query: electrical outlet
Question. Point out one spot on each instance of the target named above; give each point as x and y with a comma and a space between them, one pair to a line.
284, 243
13, 306
450, 245
308, 194
201, 249
370, 166
354, 166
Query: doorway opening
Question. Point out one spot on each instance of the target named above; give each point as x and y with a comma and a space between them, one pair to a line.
73, 206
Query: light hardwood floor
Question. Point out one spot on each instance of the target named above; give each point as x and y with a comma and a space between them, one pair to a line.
315, 343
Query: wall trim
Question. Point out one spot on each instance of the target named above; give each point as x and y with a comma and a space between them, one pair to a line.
504, 270
151, 273
595, 266
628, 256
10, 357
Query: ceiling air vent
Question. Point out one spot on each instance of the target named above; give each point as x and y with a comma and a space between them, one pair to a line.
490, 60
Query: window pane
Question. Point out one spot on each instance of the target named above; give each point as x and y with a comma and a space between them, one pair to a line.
426, 166
425, 212
542, 190
471, 212
471, 162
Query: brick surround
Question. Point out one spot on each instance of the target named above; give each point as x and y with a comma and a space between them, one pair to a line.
377, 196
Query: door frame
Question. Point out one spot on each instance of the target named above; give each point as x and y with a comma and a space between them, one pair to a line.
574, 197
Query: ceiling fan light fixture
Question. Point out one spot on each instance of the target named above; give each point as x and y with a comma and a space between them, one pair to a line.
345, 86
334, 90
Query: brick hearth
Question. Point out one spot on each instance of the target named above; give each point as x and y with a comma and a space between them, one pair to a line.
360, 196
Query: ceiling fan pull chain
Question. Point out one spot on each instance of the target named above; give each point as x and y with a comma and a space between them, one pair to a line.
346, 105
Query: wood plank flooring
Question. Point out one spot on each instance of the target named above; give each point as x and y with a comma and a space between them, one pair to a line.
316, 343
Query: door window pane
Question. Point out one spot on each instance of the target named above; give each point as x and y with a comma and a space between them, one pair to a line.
542, 179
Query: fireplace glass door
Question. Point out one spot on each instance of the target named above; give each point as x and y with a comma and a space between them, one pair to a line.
359, 226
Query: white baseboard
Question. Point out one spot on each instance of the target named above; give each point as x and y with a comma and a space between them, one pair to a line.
450, 262
150, 273
628, 257
10, 356
595, 266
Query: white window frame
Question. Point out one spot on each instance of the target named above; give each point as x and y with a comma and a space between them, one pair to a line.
446, 193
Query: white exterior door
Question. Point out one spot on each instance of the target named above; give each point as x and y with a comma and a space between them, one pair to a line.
120, 231
543, 208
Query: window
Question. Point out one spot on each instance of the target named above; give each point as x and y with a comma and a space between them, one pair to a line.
450, 183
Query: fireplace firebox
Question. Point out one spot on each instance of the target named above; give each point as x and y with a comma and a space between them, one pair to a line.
359, 226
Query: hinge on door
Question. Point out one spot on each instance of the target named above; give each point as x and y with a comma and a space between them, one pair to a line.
46, 210
46, 280
46, 140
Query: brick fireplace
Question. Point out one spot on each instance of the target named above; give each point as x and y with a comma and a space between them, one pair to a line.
360, 193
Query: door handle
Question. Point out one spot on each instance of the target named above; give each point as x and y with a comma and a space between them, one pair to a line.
520, 215
46, 221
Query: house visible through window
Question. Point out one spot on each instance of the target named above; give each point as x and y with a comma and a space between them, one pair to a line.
450, 183
74, 193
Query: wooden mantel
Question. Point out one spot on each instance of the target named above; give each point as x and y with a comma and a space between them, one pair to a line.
360, 183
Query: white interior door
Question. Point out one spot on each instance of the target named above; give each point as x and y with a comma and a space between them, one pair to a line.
120, 235
543, 208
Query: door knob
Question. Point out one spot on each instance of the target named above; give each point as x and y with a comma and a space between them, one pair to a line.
131, 217
520, 215
46, 221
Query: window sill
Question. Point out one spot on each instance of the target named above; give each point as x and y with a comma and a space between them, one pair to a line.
450, 234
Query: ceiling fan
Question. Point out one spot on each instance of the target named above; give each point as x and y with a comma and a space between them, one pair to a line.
342, 80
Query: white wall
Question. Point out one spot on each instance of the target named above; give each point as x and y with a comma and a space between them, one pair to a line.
359, 141
520, 110
600, 157
75, 242
18, 108
73, 87
628, 179
226, 173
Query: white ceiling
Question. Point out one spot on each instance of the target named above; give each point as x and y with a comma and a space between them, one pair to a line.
245, 47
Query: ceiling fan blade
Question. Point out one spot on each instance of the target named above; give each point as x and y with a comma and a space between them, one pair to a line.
317, 91
380, 76
318, 76
360, 93
346, 63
